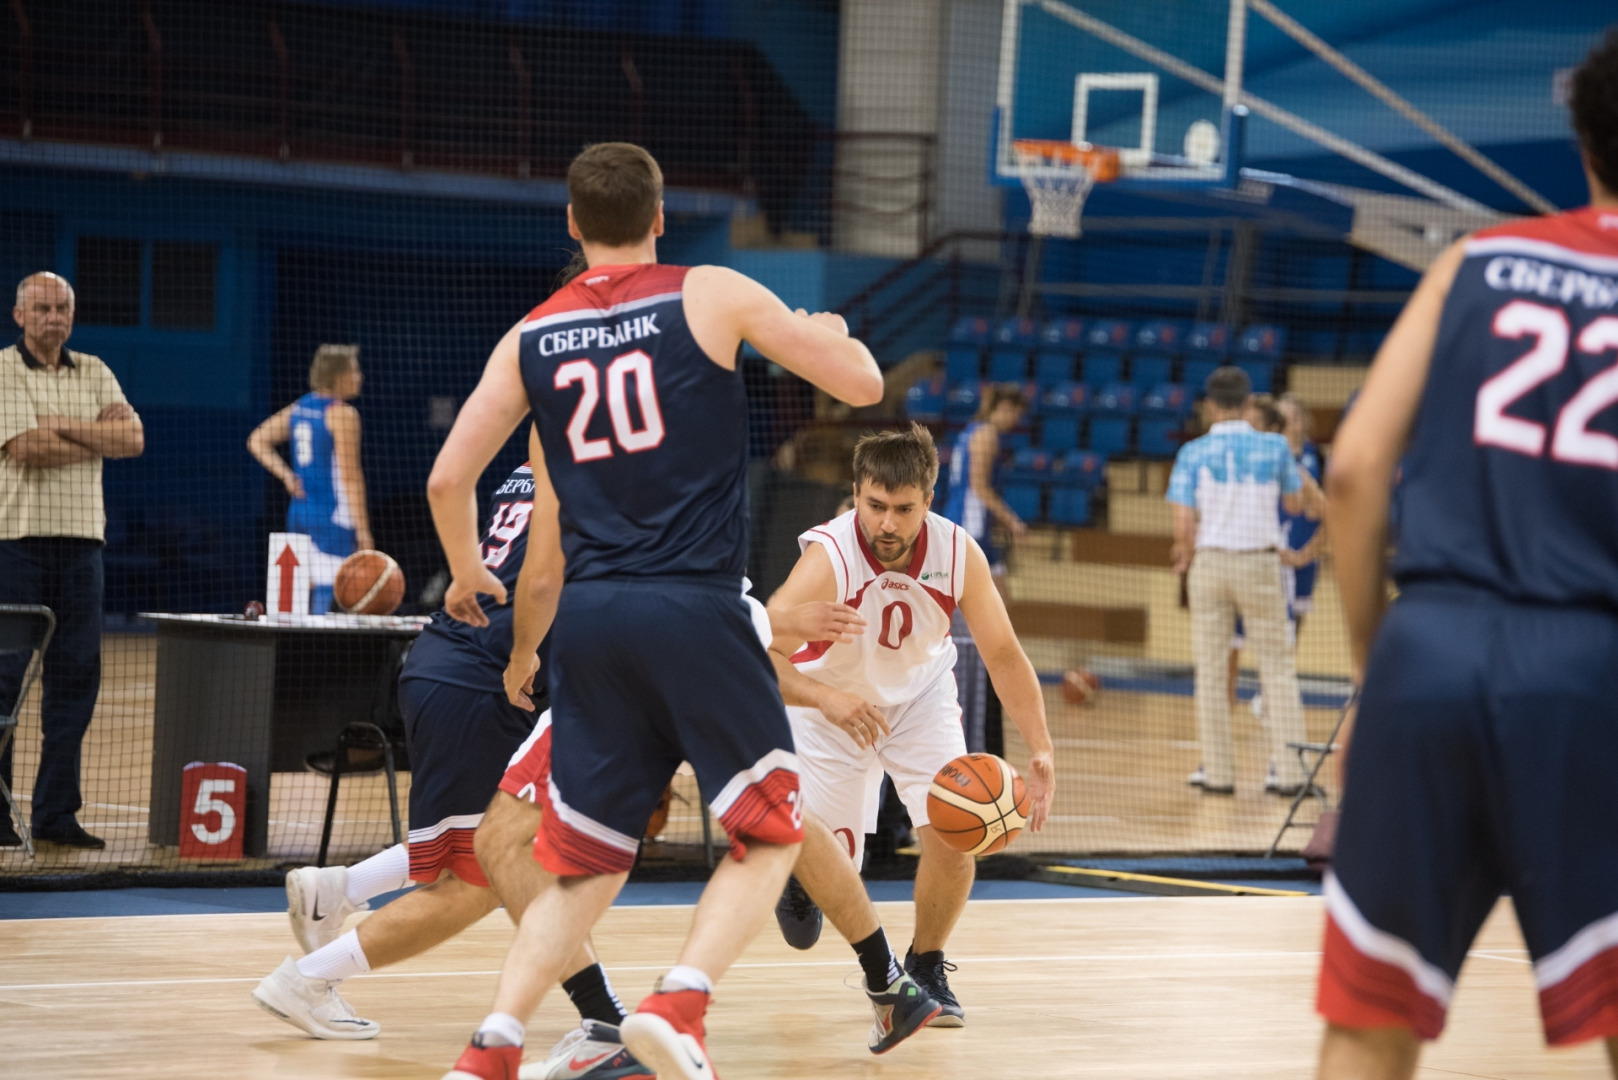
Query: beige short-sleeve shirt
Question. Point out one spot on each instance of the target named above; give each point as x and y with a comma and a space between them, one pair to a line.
61, 500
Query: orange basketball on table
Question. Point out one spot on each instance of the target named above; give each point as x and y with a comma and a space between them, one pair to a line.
369, 583
977, 804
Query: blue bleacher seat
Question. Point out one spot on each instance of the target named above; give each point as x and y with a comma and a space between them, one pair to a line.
970, 330
1023, 499
924, 400
1159, 438
1028, 466
1262, 340
1208, 338
1114, 399
1149, 370
961, 364
1013, 441
1102, 368
1059, 433
1079, 468
1160, 336
1031, 394
1109, 435
1051, 368
1065, 397
1195, 373
1262, 372
1113, 334
961, 402
1167, 401
1070, 506
1020, 333
1066, 335
1008, 365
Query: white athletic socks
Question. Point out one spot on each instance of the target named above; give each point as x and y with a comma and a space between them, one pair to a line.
383, 872
682, 977
499, 1029
336, 961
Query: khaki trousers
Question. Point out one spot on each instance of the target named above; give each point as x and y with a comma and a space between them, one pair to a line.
1223, 584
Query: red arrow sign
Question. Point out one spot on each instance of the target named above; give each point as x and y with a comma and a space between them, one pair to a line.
288, 562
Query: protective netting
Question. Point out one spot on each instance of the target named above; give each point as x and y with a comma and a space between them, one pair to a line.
229, 187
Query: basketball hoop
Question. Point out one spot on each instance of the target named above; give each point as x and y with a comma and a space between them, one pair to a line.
1058, 177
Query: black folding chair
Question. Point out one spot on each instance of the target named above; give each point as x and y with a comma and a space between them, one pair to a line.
24, 628
1319, 751
361, 740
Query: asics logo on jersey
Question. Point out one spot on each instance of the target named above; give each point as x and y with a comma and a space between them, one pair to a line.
1513, 273
598, 337
889, 583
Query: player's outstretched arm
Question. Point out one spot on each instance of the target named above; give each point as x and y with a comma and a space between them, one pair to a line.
725, 308
813, 582
539, 583
344, 421
1013, 676
481, 428
274, 431
1359, 477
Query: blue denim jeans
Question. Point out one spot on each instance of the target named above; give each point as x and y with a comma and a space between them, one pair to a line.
64, 574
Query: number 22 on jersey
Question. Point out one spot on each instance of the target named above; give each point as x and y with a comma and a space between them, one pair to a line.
1572, 441
636, 364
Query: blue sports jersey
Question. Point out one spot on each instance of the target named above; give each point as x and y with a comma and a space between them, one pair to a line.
1298, 528
963, 505
1511, 481
450, 651
323, 512
645, 437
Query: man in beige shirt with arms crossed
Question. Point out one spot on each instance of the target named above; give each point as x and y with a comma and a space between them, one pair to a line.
60, 414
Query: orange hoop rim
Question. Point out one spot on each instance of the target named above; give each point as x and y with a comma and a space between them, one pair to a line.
1102, 162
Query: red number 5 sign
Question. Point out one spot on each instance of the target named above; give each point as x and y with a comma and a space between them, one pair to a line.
213, 805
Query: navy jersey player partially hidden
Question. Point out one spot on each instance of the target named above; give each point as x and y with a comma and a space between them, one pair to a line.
640, 503
1482, 758
462, 731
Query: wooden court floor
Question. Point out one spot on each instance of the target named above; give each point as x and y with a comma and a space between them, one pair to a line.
1149, 987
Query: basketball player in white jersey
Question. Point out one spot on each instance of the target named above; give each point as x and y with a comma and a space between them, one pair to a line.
886, 699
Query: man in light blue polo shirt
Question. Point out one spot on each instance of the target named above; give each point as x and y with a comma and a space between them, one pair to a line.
1224, 490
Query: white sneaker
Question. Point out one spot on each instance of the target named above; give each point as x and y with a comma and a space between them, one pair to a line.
311, 1004
1257, 705
673, 1054
591, 1049
317, 904
1199, 778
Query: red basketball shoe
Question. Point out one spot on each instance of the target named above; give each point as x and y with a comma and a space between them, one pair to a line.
666, 1033
487, 1063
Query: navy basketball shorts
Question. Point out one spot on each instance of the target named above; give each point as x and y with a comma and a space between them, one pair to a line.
460, 740
1481, 763
644, 675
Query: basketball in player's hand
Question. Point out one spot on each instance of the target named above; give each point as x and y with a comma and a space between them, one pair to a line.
1080, 686
369, 583
977, 804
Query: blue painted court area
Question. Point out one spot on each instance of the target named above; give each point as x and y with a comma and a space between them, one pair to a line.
107, 902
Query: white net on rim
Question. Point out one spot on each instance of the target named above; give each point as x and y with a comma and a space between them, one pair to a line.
1057, 186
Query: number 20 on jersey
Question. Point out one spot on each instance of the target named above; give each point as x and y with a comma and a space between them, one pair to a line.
635, 365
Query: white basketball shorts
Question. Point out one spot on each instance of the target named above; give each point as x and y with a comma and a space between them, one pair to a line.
841, 782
